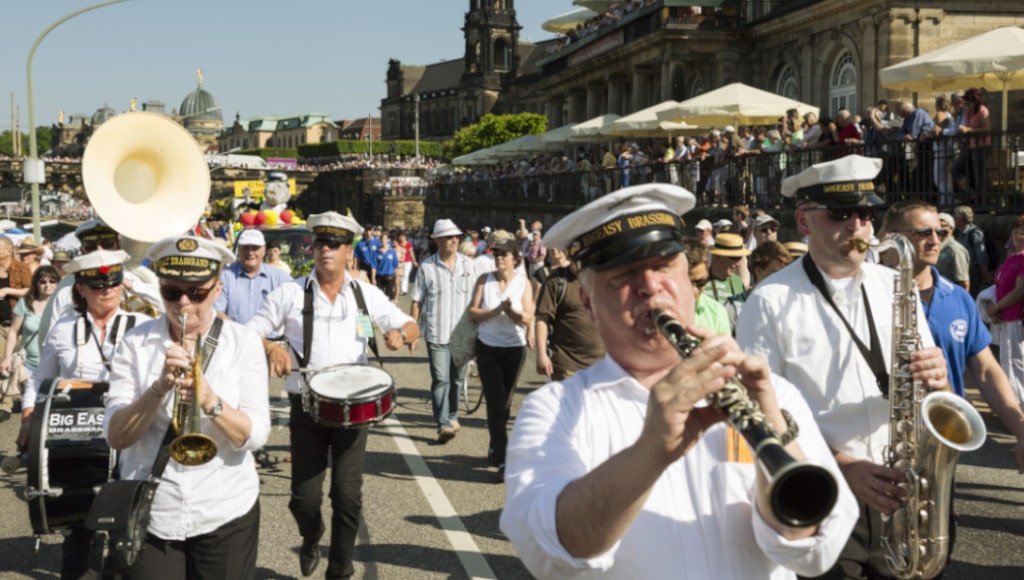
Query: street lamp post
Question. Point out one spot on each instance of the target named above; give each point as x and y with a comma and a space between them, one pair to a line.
34, 171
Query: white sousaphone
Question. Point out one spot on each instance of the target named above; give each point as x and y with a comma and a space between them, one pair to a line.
146, 177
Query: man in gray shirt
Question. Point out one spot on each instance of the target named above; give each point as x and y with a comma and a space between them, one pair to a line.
954, 259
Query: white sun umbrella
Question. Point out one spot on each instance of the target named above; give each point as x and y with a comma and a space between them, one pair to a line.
645, 123
524, 146
563, 23
559, 135
599, 6
734, 104
993, 61
484, 156
596, 129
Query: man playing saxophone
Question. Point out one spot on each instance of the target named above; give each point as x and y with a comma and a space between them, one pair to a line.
825, 323
205, 517
623, 470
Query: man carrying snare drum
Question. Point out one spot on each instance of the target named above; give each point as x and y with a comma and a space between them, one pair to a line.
342, 313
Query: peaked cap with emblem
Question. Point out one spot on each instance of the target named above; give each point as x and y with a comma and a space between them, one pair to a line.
625, 226
844, 182
334, 226
99, 268
95, 230
188, 258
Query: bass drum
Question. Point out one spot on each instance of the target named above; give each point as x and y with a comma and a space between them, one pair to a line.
68, 457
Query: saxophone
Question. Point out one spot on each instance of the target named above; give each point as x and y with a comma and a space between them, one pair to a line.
927, 432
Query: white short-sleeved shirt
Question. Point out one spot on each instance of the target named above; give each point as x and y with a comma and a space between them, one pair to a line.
699, 521
788, 321
194, 500
336, 338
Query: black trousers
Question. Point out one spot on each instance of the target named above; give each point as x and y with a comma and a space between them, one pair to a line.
499, 371
386, 282
74, 562
311, 443
227, 552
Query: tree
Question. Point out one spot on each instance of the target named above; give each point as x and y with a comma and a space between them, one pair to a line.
6, 146
494, 129
43, 137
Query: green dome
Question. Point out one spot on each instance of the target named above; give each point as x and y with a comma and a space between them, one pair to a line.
102, 115
200, 105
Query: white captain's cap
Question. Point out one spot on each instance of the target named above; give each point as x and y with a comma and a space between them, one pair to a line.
98, 269
844, 182
251, 238
628, 225
188, 258
332, 225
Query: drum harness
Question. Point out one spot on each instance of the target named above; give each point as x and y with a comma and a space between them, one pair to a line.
307, 324
83, 330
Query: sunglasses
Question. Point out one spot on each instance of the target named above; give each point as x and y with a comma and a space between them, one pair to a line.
102, 286
841, 214
927, 233
195, 294
89, 247
332, 244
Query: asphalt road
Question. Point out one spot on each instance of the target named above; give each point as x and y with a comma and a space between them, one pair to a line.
431, 511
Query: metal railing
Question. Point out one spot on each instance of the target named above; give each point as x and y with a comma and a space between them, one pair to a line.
989, 165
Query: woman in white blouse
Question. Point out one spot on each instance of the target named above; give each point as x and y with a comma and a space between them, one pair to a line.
502, 305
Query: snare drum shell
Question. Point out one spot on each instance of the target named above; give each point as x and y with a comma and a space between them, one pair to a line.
349, 395
68, 456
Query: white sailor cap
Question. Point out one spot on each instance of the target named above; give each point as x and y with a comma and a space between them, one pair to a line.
98, 269
251, 238
188, 258
703, 225
723, 223
628, 225
844, 182
333, 225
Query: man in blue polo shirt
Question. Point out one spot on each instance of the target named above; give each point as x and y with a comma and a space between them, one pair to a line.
953, 318
247, 281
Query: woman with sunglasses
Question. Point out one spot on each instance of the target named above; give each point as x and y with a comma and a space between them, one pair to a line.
21, 337
81, 346
502, 306
204, 521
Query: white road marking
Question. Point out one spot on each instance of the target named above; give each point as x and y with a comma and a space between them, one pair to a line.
460, 539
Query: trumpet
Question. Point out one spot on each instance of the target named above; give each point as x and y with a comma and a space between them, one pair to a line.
191, 446
801, 493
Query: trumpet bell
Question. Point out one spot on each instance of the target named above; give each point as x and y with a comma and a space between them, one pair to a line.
146, 176
193, 449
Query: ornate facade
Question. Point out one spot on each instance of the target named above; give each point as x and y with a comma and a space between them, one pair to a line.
823, 52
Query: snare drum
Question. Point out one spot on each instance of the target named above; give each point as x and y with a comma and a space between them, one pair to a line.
348, 395
68, 457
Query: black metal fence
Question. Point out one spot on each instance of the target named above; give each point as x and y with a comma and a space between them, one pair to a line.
983, 170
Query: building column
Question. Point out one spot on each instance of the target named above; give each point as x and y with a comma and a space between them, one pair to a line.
555, 116
641, 90
576, 106
615, 94
595, 100
867, 76
666, 79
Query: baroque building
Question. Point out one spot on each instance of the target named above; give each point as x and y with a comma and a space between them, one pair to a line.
823, 52
282, 132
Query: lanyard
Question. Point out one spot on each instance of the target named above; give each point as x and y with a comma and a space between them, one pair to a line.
872, 356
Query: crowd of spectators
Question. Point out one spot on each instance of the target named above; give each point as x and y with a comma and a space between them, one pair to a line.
597, 23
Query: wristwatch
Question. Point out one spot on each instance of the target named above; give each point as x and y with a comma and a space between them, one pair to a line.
216, 410
402, 332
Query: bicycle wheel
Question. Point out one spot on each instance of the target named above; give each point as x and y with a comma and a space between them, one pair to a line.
472, 390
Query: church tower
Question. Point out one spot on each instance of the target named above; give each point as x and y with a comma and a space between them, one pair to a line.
490, 62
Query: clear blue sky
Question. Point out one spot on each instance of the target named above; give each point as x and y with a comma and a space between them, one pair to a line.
258, 57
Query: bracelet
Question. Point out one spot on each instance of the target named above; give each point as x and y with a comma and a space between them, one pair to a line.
792, 429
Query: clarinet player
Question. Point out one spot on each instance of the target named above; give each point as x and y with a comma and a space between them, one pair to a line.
825, 324
622, 470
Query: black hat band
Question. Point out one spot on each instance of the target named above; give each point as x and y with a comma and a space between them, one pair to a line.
111, 275
628, 239
333, 233
842, 193
187, 268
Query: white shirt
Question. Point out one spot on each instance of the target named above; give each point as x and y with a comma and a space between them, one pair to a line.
194, 500
335, 326
502, 331
443, 295
59, 355
788, 321
699, 521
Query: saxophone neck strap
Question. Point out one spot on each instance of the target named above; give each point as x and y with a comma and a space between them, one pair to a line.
872, 355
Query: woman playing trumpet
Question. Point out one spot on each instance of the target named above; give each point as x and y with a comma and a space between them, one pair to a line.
205, 518
81, 346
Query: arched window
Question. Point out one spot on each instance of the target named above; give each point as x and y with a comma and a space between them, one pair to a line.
697, 88
788, 86
502, 54
842, 90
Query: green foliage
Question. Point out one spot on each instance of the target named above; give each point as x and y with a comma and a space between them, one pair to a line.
272, 152
6, 143
494, 129
360, 147
43, 137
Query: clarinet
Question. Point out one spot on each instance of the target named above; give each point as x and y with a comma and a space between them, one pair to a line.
801, 493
